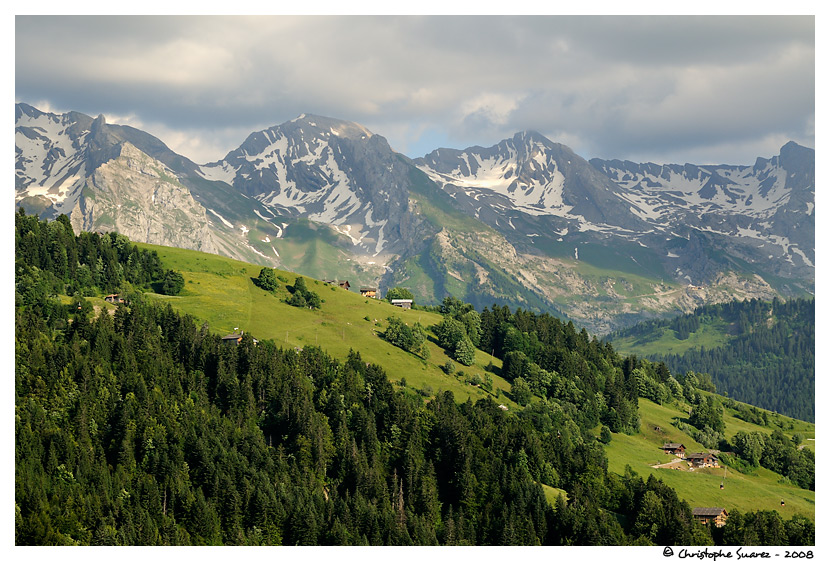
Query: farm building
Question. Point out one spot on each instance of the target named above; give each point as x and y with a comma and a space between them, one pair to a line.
342, 284
402, 303
232, 339
674, 448
114, 299
235, 338
702, 459
368, 292
704, 515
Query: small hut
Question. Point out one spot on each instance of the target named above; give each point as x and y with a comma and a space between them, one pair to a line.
704, 515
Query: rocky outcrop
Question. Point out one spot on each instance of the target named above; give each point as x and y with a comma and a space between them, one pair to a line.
139, 197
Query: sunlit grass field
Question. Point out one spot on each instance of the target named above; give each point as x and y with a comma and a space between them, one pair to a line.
761, 490
708, 336
221, 292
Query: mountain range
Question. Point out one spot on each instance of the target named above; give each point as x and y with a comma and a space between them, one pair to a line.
526, 223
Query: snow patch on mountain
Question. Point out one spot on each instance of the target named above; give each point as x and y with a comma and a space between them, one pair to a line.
220, 217
262, 217
347, 229
803, 256
255, 250
49, 160
219, 171
657, 192
380, 244
501, 175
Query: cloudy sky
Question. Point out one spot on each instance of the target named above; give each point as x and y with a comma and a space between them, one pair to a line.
677, 89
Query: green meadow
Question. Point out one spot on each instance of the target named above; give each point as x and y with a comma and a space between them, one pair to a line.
221, 292
665, 341
760, 490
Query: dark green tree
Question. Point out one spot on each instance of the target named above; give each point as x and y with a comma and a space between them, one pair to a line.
301, 296
398, 293
465, 352
520, 391
749, 446
267, 279
604, 435
172, 283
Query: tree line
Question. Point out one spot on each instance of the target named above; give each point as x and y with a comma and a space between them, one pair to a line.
50, 259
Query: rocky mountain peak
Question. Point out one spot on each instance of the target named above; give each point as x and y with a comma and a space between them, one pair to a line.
328, 125
327, 170
99, 123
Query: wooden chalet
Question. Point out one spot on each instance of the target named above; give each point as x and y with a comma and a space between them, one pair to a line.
342, 284
704, 515
674, 448
404, 303
703, 459
232, 339
236, 338
368, 292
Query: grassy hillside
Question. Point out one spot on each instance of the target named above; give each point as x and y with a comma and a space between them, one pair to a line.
762, 490
664, 340
624, 258
221, 292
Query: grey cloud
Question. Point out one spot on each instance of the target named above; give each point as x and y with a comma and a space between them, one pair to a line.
616, 85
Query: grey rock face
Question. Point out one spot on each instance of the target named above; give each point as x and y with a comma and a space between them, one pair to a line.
530, 188
134, 195
761, 214
328, 171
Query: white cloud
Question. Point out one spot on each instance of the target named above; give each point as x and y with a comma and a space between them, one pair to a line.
494, 108
638, 86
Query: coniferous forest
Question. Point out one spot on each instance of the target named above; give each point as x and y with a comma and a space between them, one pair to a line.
140, 427
768, 360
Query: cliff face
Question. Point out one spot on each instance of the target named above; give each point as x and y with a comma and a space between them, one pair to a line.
139, 197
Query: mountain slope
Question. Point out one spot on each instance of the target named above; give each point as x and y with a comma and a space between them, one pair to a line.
340, 174
525, 223
338, 326
109, 177
531, 175
761, 213
177, 436
327, 171
698, 222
